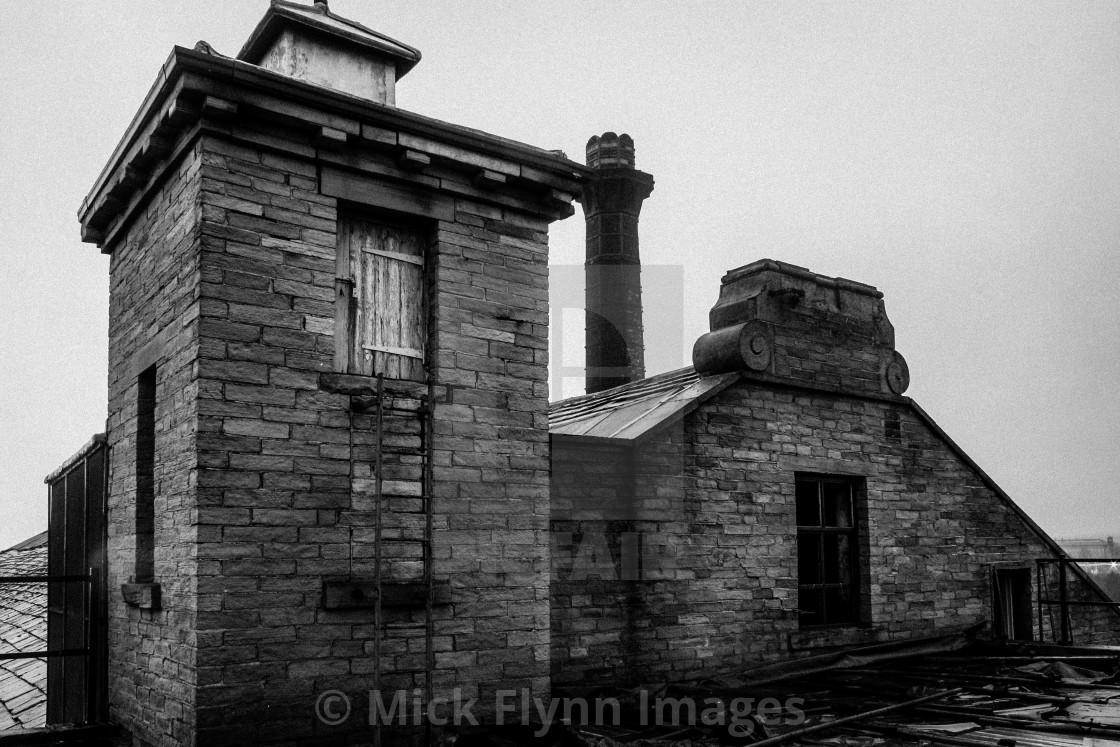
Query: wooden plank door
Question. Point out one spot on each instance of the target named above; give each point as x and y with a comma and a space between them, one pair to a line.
391, 325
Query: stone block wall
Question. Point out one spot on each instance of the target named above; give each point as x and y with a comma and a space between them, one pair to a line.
221, 208
725, 599
285, 503
619, 528
153, 320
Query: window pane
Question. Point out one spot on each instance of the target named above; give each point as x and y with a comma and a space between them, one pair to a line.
808, 503
809, 607
145, 475
808, 558
839, 606
827, 552
837, 504
837, 559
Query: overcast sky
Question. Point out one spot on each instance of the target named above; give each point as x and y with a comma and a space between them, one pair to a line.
962, 157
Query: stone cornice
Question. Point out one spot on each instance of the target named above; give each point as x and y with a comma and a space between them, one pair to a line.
196, 91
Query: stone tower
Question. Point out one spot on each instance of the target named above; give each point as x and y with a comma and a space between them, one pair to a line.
327, 392
612, 201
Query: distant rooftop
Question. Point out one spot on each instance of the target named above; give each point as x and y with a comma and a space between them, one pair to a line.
23, 627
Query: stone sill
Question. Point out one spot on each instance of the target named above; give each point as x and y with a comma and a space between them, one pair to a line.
356, 385
145, 596
824, 638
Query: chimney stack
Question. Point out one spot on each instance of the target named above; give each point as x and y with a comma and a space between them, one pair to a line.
784, 322
312, 44
612, 200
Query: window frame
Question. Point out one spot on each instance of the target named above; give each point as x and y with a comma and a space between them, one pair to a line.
147, 383
855, 533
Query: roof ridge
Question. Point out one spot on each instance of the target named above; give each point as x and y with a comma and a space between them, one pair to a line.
38, 540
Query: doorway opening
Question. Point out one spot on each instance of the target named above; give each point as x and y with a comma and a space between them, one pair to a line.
1012, 604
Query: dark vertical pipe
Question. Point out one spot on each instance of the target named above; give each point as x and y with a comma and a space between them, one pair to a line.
428, 426
1038, 576
1064, 597
379, 421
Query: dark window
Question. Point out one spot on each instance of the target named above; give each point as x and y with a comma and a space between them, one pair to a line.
827, 552
384, 320
145, 475
1013, 604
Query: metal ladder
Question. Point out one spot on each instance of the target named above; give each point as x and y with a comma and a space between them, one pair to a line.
425, 413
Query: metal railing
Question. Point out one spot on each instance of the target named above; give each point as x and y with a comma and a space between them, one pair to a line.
89, 630
1063, 602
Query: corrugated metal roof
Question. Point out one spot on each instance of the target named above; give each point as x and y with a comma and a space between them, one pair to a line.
23, 627
634, 410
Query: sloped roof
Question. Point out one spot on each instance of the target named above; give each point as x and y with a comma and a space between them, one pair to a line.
23, 627
632, 411
282, 13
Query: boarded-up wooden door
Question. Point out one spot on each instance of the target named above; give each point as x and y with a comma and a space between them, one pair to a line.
390, 327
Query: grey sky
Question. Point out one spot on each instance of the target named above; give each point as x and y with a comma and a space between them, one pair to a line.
963, 157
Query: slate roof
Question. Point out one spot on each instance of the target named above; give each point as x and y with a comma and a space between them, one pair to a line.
632, 411
282, 13
23, 627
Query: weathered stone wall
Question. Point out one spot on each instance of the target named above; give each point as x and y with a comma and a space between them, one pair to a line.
280, 509
153, 319
725, 595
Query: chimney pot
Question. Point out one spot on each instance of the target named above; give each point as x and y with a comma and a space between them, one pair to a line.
610, 150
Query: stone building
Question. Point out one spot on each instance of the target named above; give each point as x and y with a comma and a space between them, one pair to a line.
330, 442
327, 390
778, 499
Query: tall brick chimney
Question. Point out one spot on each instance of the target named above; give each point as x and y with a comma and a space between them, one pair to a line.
612, 200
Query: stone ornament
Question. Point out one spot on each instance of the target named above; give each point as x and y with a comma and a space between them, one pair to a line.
896, 373
741, 346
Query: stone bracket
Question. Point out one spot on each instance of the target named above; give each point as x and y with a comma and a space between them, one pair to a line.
413, 160
363, 593
487, 179
146, 596
328, 138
